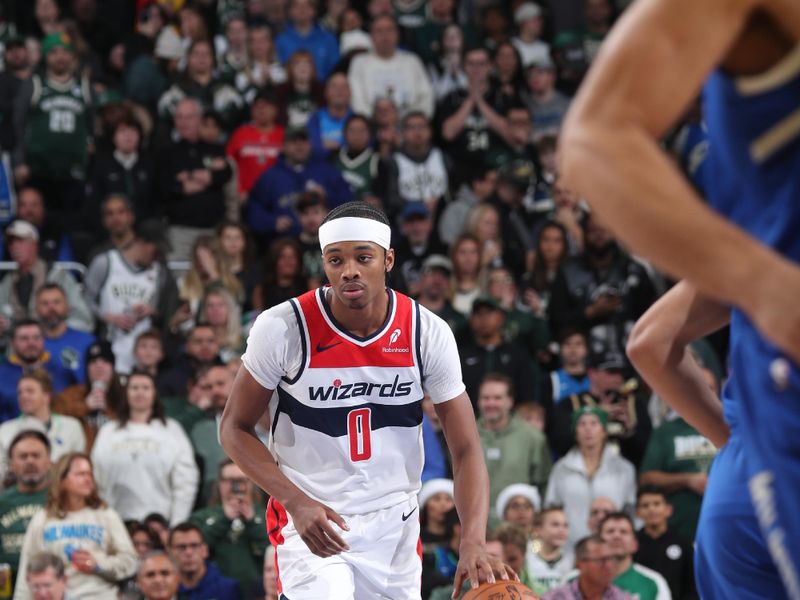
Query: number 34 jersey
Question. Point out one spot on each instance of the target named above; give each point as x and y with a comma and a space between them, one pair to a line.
346, 412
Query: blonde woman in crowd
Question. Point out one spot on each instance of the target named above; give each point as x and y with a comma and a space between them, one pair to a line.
80, 528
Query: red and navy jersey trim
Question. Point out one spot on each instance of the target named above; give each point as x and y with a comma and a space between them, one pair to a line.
303, 347
332, 420
340, 329
418, 342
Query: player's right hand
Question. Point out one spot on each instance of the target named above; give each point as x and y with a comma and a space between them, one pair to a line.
312, 520
774, 309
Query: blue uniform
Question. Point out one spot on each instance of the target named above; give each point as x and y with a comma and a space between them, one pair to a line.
753, 178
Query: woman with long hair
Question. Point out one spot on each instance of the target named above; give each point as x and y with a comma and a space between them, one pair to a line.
508, 72
263, 69
483, 222
283, 275
550, 252
468, 274
219, 310
144, 461
80, 528
209, 268
447, 72
237, 249
302, 93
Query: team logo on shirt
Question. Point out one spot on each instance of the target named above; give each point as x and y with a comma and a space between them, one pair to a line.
392, 339
344, 391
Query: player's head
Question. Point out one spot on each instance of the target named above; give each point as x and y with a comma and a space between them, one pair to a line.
652, 506
355, 239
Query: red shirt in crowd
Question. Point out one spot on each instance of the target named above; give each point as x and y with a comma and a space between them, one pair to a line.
254, 150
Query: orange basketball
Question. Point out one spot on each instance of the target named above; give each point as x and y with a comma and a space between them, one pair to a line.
502, 590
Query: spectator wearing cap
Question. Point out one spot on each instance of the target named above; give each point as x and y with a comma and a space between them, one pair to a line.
132, 290
255, 146
98, 399
435, 499
64, 343
357, 160
17, 69
546, 104
302, 32
53, 127
528, 19
311, 210
192, 176
388, 72
434, 292
18, 288
34, 395
27, 354
326, 125
489, 352
591, 468
54, 243
270, 208
470, 119
603, 291
418, 241
416, 172
199, 81
29, 465
519, 504
514, 451
128, 170
629, 424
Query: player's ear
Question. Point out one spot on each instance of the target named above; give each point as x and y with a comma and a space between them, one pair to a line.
389, 260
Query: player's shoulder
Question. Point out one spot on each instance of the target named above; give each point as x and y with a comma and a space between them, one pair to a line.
430, 321
279, 318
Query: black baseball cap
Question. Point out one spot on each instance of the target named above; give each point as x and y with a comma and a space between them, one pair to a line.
100, 349
486, 302
296, 132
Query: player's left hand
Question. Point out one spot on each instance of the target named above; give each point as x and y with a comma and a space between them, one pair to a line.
477, 566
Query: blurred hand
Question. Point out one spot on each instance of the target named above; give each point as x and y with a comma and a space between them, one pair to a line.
21, 174
96, 400
283, 223
605, 305
141, 311
84, 561
533, 301
697, 483
203, 176
122, 321
207, 262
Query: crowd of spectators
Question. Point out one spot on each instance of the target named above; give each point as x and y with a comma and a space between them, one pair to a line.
165, 166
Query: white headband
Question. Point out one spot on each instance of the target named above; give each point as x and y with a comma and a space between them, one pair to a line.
353, 229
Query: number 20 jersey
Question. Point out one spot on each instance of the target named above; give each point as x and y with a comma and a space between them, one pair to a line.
346, 414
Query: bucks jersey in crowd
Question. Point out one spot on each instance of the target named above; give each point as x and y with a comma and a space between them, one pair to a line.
58, 128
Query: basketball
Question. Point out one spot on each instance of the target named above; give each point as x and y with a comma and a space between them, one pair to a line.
502, 590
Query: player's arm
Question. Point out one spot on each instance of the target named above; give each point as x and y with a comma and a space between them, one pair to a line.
648, 70
658, 348
238, 437
471, 493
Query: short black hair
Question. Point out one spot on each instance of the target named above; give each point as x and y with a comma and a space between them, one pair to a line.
582, 547
185, 527
29, 434
357, 208
617, 516
27, 322
651, 490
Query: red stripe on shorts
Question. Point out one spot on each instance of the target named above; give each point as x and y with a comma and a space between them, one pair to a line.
276, 521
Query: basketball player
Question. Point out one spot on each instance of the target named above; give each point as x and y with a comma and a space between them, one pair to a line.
648, 72
343, 370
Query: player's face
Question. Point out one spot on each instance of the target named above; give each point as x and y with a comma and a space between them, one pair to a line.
357, 272
618, 534
30, 461
158, 578
520, 511
31, 396
554, 529
653, 509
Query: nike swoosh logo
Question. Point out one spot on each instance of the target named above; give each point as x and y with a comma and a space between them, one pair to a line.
323, 348
406, 516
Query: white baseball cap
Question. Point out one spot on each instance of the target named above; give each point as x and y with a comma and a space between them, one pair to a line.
527, 10
22, 230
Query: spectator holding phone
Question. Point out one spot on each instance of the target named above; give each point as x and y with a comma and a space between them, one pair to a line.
234, 529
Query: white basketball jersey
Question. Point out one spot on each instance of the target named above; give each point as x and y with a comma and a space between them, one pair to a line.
346, 427
123, 289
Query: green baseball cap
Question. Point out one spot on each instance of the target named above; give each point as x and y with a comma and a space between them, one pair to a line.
589, 410
56, 40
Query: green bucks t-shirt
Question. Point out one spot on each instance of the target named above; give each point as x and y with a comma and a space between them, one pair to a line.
677, 447
639, 582
16, 510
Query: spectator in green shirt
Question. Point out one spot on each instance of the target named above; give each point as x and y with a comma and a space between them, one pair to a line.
29, 464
